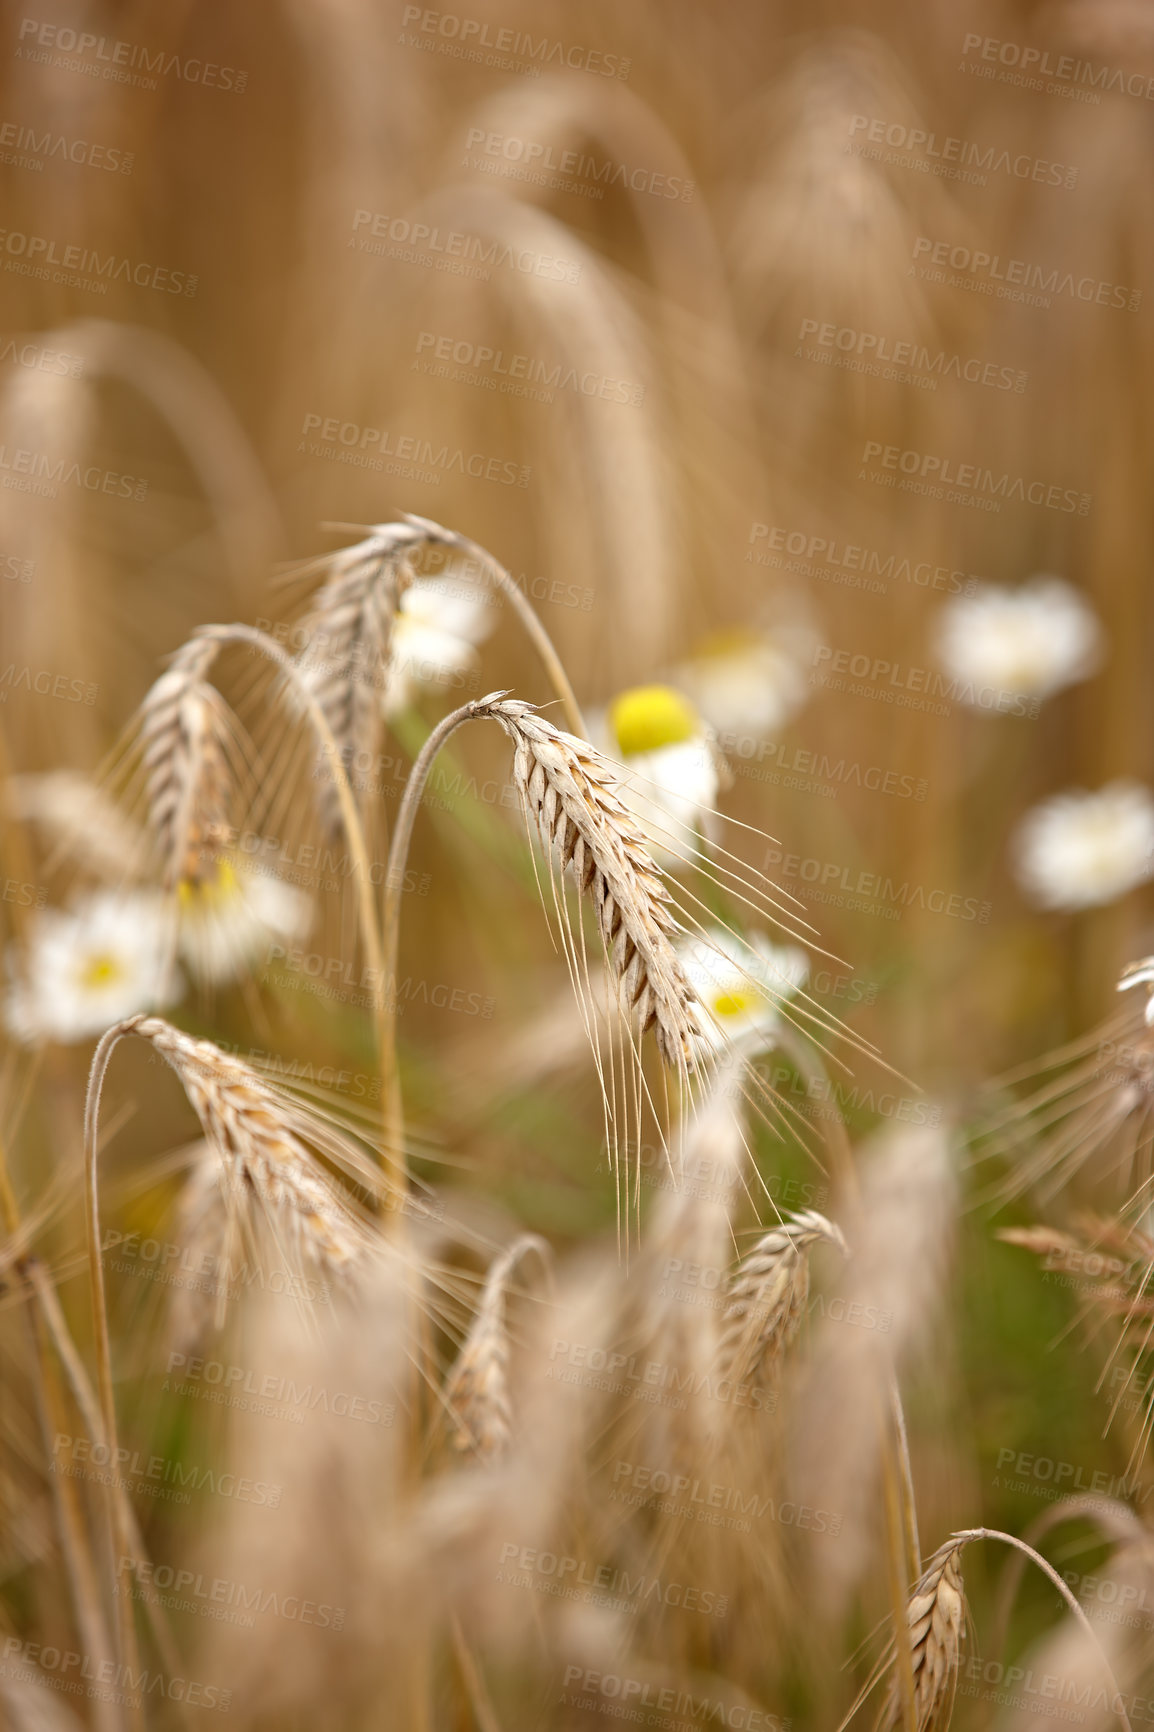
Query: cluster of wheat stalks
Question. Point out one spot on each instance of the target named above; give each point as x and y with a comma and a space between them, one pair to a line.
638, 1473
373, 1445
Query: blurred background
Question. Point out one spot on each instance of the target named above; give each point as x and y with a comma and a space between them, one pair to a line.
754, 343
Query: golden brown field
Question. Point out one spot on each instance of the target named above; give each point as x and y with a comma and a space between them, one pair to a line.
577, 798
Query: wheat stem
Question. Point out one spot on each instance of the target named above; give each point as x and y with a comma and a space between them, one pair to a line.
1118, 1706
81, 1570
118, 1528
522, 607
399, 843
392, 1148
899, 1587
85, 1399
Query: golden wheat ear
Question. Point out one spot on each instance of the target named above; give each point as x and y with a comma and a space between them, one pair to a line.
476, 1391
935, 1630
267, 1176
350, 627
187, 735
768, 1293
568, 793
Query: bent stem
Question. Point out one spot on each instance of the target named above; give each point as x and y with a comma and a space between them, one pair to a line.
1118, 1706
118, 1526
522, 607
392, 1152
391, 919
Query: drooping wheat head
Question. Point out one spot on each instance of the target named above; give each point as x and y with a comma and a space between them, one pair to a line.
476, 1390
1092, 1116
568, 794
936, 1625
768, 1292
186, 736
269, 1179
345, 661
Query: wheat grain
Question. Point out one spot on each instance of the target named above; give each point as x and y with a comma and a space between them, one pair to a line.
568, 791
261, 1139
476, 1390
768, 1293
351, 626
936, 1620
185, 731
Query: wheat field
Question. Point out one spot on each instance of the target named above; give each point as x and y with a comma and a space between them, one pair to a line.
577, 810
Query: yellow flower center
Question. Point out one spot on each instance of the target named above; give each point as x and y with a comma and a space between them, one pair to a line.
220, 884
736, 1002
645, 718
100, 970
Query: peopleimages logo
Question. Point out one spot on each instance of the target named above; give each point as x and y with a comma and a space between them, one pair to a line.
951, 157
1033, 65
969, 481
1018, 279
37, 256
467, 37
104, 57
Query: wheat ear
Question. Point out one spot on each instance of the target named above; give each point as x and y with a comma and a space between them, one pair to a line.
477, 1390
351, 627
258, 1136
935, 1628
768, 1292
185, 729
261, 1138
568, 795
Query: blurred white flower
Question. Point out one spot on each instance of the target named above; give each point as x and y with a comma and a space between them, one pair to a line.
438, 625
747, 682
669, 766
227, 919
1141, 974
742, 984
90, 966
1080, 849
1033, 640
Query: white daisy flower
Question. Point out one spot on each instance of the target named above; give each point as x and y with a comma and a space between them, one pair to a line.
1080, 850
669, 765
749, 683
226, 920
1034, 640
438, 625
91, 966
742, 985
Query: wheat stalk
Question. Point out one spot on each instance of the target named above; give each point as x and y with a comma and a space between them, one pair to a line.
185, 728
768, 1292
438, 536
261, 1138
568, 794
